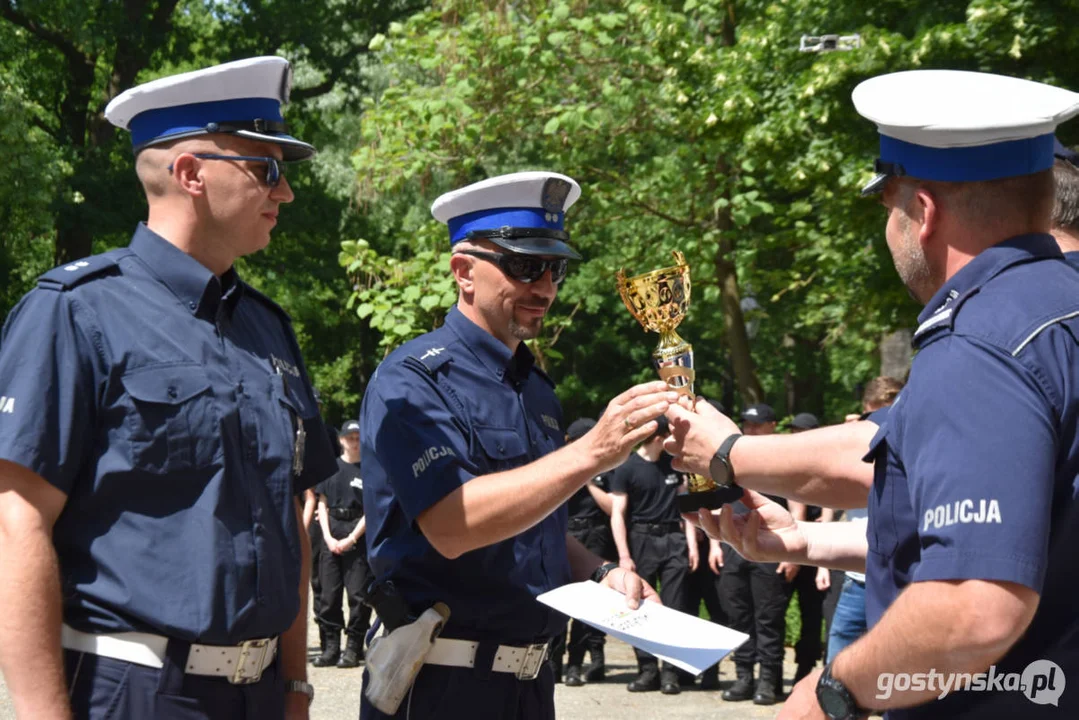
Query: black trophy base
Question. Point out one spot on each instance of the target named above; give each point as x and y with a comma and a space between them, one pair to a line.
709, 499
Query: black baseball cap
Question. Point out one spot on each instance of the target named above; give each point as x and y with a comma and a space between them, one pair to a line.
759, 413
351, 426
805, 421
579, 427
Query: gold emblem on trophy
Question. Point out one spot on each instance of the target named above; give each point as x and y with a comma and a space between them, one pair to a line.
659, 300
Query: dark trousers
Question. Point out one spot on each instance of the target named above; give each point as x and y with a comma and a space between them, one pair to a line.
582, 636
702, 585
755, 600
103, 688
809, 648
661, 557
318, 548
450, 692
345, 574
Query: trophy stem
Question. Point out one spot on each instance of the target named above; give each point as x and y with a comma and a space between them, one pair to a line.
673, 359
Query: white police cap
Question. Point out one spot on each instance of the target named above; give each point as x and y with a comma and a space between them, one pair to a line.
522, 212
958, 126
240, 98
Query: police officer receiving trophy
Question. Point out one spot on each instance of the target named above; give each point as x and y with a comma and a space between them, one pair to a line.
163, 428
973, 511
464, 479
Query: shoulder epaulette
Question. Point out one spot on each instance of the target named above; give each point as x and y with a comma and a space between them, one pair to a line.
75, 273
431, 357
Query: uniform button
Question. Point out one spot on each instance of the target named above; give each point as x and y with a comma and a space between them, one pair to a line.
192, 305
172, 393
501, 449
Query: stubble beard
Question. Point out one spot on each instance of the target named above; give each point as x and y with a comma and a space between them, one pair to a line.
525, 332
911, 264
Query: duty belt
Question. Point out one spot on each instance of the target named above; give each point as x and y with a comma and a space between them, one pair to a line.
240, 664
657, 528
523, 661
345, 513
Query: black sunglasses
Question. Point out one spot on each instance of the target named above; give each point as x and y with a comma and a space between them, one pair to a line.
524, 268
275, 169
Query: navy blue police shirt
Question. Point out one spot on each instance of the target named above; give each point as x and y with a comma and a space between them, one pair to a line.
164, 403
977, 468
442, 409
1072, 258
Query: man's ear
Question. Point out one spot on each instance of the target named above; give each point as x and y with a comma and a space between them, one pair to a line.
463, 268
186, 173
927, 208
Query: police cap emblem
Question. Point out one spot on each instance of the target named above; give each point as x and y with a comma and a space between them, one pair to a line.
555, 192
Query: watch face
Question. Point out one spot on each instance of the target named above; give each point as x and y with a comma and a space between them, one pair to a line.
832, 703
721, 474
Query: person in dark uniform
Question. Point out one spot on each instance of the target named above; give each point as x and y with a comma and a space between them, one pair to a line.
589, 522
465, 483
974, 506
318, 546
755, 597
650, 537
702, 585
163, 428
344, 568
809, 648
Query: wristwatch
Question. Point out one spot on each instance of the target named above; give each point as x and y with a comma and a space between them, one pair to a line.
299, 686
835, 699
601, 572
720, 467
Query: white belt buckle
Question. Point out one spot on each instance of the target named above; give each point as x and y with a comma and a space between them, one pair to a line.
260, 646
532, 661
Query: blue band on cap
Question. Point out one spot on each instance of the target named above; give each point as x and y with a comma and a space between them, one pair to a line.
503, 217
166, 121
970, 164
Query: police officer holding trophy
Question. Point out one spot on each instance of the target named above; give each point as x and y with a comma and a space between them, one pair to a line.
464, 479
973, 511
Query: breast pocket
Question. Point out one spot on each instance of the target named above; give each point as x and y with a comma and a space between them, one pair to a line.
883, 534
171, 420
280, 445
503, 448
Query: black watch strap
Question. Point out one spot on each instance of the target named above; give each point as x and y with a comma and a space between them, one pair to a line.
601, 572
720, 468
835, 699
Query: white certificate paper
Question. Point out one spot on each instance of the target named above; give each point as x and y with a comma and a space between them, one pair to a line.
683, 640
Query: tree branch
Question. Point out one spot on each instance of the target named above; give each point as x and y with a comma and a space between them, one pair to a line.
681, 222
54, 38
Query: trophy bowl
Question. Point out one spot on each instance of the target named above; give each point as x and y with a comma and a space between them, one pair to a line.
659, 300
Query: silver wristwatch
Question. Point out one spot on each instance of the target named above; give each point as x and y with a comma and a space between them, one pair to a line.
299, 686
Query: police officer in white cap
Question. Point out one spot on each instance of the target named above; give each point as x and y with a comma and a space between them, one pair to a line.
973, 511
465, 483
164, 426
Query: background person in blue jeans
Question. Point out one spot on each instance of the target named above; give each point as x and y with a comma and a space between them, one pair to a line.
849, 622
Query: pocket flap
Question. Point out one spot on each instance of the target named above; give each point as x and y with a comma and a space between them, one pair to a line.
500, 443
166, 384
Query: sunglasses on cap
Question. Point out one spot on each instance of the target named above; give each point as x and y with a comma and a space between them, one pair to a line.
275, 169
524, 268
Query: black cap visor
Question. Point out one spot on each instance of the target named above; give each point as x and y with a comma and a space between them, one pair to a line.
528, 241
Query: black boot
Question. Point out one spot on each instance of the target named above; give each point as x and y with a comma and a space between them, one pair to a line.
573, 676
668, 682
710, 678
743, 686
353, 654
596, 670
331, 651
647, 681
766, 687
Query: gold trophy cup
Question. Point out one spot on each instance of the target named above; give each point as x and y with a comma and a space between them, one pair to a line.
659, 300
